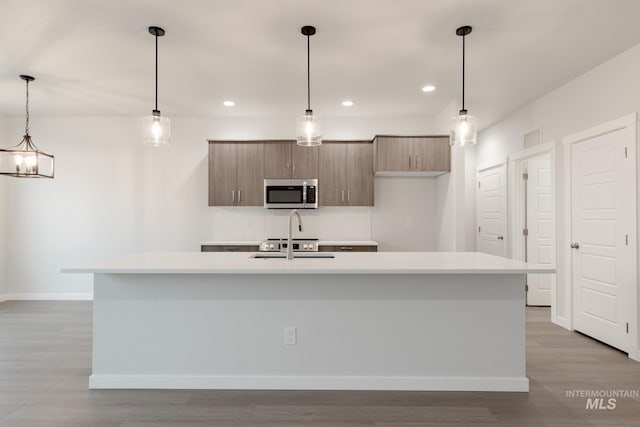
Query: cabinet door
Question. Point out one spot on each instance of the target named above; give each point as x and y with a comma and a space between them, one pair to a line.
332, 168
222, 174
359, 174
431, 154
441, 157
304, 161
277, 159
393, 154
250, 174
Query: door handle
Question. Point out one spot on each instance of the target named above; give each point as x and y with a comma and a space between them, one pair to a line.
575, 246
500, 237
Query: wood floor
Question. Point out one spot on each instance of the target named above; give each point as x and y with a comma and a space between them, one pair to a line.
45, 360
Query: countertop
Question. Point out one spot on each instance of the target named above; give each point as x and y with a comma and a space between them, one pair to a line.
320, 242
343, 263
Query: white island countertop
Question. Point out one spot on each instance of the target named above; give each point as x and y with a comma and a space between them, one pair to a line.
343, 263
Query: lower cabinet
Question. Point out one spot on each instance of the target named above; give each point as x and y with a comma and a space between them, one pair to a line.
346, 248
227, 248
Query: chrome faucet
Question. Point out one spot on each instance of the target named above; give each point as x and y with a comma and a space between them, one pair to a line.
289, 238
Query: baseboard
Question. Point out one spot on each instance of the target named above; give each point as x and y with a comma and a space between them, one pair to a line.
4, 298
561, 321
231, 382
50, 297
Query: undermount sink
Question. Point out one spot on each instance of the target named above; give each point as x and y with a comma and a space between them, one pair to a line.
295, 256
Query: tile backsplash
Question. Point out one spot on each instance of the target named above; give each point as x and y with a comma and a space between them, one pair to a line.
327, 223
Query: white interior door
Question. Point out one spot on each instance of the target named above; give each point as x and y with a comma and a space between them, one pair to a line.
491, 211
602, 199
541, 228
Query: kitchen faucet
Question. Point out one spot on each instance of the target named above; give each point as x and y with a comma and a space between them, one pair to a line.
289, 238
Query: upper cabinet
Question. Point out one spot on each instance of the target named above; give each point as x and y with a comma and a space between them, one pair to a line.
346, 173
236, 176
424, 155
287, 160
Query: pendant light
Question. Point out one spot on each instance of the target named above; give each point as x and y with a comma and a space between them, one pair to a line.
156, 129
25, 160
464, 128
308, 127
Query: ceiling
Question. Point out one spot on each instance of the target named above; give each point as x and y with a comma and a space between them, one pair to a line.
96, 57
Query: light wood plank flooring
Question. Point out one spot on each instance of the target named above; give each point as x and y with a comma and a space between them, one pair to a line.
45, 360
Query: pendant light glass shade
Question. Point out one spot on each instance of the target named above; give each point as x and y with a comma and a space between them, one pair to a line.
308, 127
309, 130
156, 130
25, 160
464, 128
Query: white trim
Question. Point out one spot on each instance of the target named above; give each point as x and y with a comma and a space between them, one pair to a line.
601, 129
50, 297
547, 147
241, 382
560, 320
4, 298
628, 123
491, 165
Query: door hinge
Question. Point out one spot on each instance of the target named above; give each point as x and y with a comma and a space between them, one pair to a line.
478, 229
526, 287
626, 239
525, 176
626, 152
525, 232
627, 327
478, 184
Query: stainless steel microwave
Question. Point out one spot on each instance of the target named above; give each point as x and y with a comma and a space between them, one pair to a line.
291, 193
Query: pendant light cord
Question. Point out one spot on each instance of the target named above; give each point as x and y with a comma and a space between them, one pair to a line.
156, 72
308, 73
463, 37
26, 126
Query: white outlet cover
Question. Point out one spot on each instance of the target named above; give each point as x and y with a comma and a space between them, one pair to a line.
290, 335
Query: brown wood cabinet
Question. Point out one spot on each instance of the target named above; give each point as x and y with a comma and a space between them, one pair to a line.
288, 160
421, 154
346, 173
229, 248
236, 173
348, 248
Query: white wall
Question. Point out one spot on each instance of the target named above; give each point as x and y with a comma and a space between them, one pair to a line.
4, 243
112, 195
607, 92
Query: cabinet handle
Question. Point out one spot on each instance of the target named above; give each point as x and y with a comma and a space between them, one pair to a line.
238, 196
233, 196
416, 162
289, 170
293, 172
409, 161
348, 195
342, 197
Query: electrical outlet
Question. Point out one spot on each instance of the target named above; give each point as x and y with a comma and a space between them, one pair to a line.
290, 335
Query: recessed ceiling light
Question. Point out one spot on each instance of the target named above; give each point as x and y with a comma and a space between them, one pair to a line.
347, 103
229, 103
429, 88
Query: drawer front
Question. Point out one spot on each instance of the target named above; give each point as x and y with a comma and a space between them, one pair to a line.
225, 248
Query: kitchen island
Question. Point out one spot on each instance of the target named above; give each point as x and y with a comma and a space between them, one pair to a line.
359, 321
